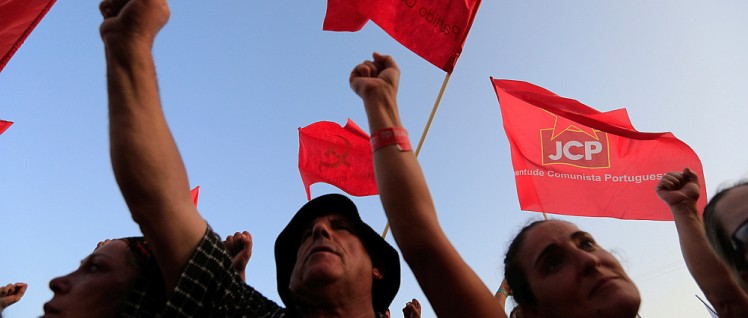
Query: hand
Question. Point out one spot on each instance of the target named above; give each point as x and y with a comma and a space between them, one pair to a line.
412, 309
503, 287
239, 247
376, 82
377, 79
679, 188
11, 293
138, 20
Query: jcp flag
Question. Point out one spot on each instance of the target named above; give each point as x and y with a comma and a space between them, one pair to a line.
571, 159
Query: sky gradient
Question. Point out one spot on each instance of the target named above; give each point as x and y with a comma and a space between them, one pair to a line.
238, 78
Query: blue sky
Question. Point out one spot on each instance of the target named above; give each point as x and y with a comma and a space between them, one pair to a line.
238, 78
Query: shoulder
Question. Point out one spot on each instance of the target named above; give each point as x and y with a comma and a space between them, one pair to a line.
209, 286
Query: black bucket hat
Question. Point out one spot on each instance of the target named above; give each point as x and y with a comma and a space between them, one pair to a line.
383, 256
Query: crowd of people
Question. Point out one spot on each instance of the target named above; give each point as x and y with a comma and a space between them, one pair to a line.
329, 262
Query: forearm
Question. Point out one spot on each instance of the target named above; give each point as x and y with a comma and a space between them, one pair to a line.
144, 156
401, 184
145, 159
710, 273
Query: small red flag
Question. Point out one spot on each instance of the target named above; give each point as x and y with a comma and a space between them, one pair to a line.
434, 29
17, 19
195, 193
571, 159
4, 125
340, 156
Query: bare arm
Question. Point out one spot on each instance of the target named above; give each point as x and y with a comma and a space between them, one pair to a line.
680, 190
450, 285
145, 159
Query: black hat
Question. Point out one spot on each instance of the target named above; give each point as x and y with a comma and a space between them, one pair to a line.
383, 256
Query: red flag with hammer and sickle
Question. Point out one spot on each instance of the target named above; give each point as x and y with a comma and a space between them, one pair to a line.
340, 156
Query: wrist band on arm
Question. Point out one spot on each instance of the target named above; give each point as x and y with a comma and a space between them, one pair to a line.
391, 136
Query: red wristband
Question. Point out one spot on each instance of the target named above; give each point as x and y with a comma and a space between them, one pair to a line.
391, 136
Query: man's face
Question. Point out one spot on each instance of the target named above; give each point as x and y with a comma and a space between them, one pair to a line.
331, 255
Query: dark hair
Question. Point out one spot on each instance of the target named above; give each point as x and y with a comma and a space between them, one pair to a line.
516, 312
513, 273
715, 232
147, 296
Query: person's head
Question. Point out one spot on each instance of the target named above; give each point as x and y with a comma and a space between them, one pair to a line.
556, 270
726, 226
119, 277
327, 247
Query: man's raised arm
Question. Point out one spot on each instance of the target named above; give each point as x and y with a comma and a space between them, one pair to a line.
145, 159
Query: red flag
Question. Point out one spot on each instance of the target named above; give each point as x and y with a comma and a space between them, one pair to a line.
340, 156
4, 125
17, 19
195, 193
434, 29
571, 159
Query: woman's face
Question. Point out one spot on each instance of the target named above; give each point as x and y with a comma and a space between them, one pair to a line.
571, 276
97, 288
732, 212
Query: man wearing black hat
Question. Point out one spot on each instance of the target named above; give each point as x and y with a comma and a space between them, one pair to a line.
329, 262
327, 253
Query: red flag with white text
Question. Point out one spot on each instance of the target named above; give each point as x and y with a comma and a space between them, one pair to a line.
433, 29
571, 159
17, 19
340, 156
4, 125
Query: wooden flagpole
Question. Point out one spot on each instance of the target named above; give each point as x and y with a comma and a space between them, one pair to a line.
425, 131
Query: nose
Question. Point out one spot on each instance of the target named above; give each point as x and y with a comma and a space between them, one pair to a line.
60, 285
587, 261
321, 229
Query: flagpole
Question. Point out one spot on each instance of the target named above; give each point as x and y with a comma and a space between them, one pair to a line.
433, 113
425, 131
545, 216
386, 229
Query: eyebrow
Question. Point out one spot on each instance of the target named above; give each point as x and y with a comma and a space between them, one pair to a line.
340, 219
553, 246
579, 234
94, 256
